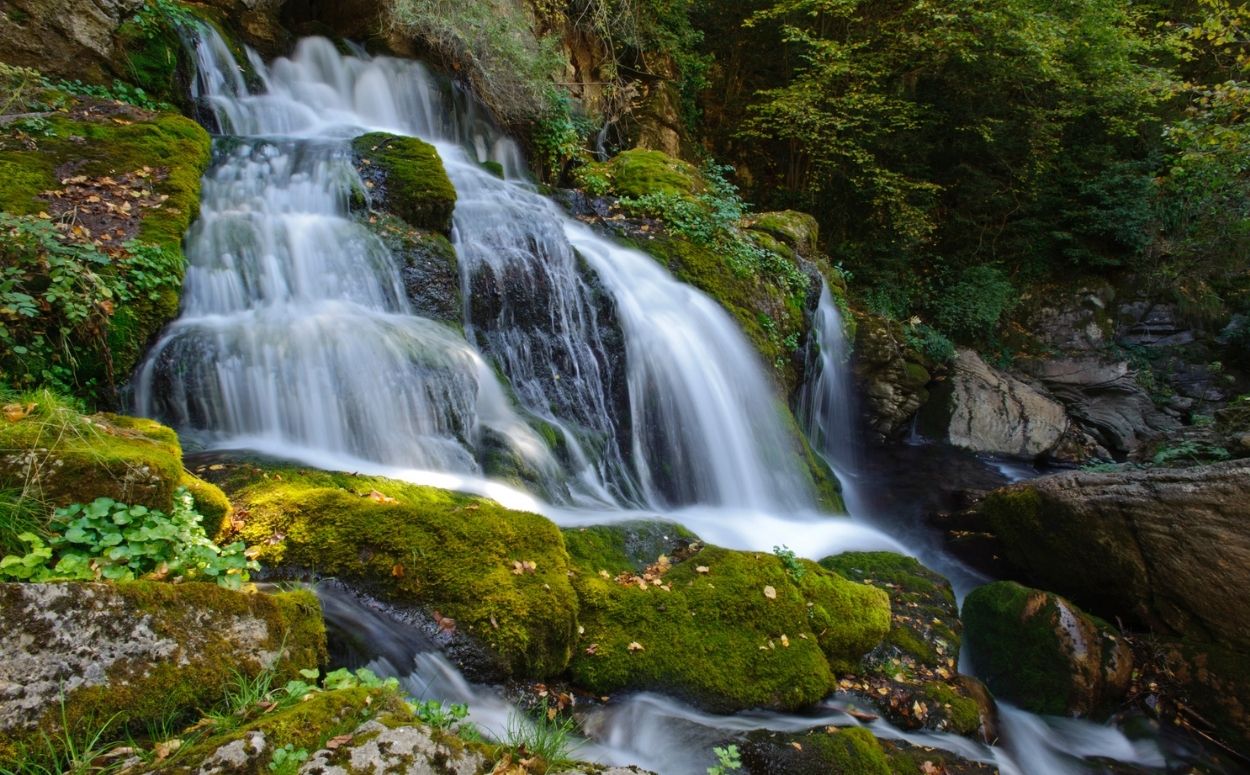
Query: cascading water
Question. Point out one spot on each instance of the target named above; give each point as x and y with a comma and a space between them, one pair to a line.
296, 338
296, 331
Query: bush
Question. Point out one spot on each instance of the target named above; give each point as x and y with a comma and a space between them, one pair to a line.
973, 306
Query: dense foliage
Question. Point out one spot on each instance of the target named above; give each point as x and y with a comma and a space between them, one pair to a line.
957, 153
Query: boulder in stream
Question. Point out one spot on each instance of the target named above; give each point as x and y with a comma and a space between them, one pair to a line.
1040, 651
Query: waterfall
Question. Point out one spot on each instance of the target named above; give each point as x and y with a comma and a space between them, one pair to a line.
295, 333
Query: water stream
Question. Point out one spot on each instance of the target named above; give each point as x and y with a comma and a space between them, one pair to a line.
296, 339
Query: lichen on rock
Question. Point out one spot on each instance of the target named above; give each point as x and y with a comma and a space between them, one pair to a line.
112, 656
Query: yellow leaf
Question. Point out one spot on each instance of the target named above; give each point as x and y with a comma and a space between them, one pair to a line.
770, 592
635, 646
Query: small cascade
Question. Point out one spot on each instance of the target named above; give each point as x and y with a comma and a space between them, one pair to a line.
826, 403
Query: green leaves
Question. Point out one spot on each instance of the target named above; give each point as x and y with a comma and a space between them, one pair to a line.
115, 541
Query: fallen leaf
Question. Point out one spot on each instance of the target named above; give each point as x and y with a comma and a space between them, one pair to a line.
770, 592
378, 497
336, 742
397, 570
592, 649
702, 569
15, 412
796, 745
785, 642
635, 646
166, 749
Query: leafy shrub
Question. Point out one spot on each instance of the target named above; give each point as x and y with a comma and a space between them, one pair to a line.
727, 760
711, 218
973, 306
120, 91
58, 294
930, 342
287, 759
110, 540
790, 561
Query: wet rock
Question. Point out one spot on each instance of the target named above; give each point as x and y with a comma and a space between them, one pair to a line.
1039, 650
1164, 548
912, 677
892, 377
428, 269
140, 650
987, 410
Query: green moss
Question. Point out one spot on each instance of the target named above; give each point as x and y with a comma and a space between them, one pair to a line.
407, 178
177, 150
1015, 646
624, 546
715, 637
59, 456
831, 751
494, 168
638, 172
199, 619
210, 502
447, 552
963, 713
799, 231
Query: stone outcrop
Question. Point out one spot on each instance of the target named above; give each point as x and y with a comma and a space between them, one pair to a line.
1167, 548
1039, 650
987, 410
117, 654
64, 38
893, 379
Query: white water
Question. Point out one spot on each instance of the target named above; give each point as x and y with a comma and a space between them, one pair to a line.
295, 329
296, 339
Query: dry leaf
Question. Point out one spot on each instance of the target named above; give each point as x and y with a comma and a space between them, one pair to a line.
702, 569
15, 412
336, 742
378, 497
635, 646
166, 749
770, 592
785, 642
397, 570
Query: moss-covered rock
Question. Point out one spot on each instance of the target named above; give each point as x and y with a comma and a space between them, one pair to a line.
498, 575
798, 231
405, 177
110, 656
625, 546
912, 677
54, 455
131, 178
725, 629
844, 751
1040, 651
638, 172
848, 751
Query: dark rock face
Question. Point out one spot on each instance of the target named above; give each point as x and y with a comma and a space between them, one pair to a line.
1039, 650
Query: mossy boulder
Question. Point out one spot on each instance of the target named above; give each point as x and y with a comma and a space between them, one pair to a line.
405, 176
798, 231
848, 751
131, 179
639, 172
1040, 651
114, 656
912, 677
724, 629
54, 455
626, 546
498, 575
